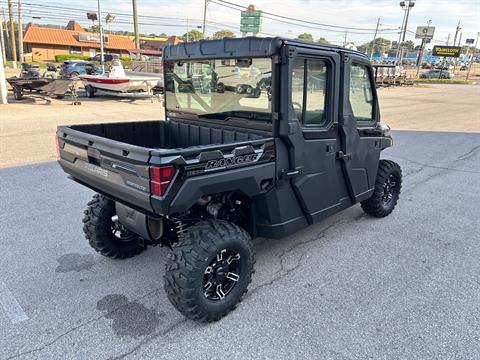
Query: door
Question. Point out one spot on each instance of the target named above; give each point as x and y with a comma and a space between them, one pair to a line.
314, 132
360, 151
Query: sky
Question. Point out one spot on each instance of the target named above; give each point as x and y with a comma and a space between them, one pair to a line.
178, 16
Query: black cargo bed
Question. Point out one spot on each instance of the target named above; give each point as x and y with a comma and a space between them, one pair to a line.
170, 134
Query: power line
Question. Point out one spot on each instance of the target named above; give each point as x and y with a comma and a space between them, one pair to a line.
303, 21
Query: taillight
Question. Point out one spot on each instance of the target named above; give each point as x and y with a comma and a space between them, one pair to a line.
160, 179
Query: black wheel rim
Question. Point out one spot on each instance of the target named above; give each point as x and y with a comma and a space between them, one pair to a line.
389, 190
221, 275
121, 233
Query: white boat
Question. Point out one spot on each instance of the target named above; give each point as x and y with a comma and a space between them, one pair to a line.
119, 81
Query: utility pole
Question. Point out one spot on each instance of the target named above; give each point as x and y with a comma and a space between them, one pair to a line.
345, 39
374, 38
473, 54
448, 39
3, 83
102, 57
20, 31
135, 24
456, 33
455, 44
12, 34
2, 43
204, 17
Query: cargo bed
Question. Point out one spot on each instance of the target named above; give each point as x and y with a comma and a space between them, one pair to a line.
115, 158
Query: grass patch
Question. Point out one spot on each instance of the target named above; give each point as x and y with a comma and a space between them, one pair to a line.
443, 81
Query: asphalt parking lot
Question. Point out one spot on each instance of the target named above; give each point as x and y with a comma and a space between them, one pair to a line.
352, 287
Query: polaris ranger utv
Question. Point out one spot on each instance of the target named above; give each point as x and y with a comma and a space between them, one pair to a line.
227, 166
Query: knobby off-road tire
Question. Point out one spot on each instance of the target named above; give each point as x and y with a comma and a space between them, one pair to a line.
388, 185
107, 237
196, 262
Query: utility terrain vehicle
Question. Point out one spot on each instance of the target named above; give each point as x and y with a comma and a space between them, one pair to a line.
226, 167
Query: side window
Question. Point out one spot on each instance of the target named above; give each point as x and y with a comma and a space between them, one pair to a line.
298, 80
309, 80
361, 94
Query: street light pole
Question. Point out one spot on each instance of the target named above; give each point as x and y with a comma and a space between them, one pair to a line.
409, 5
473, 53
400, 36
102, 57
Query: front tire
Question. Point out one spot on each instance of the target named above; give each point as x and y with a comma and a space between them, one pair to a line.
209, 270
388, 185
106, 236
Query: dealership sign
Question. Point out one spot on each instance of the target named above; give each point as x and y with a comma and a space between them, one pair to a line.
424, 32
91, 38
447, 51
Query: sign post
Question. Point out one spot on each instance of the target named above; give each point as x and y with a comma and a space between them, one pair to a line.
425, 33
473, 53
251, 21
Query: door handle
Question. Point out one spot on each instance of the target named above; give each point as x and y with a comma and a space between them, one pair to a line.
345, 157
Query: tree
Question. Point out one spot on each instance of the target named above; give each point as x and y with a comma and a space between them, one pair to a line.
222, 34
381, 46
408, 45
322, 40
305, 37
193, 35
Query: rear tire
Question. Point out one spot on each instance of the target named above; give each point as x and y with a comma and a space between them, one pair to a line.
17, 93
90, 91
209, 270
105, 236
388, 185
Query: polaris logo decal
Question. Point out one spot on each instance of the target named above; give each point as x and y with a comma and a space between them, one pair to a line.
231, 161
96, 170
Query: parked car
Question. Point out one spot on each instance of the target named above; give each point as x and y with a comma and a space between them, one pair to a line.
106, 57
437, 74
73, 68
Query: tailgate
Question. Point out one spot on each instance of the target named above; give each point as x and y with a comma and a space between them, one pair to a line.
114, 168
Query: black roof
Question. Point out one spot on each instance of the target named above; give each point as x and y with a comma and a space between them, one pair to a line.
241, 47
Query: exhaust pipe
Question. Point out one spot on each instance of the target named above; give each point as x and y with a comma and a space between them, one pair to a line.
149, 228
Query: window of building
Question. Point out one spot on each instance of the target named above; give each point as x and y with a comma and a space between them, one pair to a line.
76, 50
361, 94
309, 79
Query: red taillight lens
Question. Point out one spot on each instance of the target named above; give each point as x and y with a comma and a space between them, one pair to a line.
160, 178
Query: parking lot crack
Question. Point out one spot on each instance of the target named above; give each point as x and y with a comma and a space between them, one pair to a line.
284, 271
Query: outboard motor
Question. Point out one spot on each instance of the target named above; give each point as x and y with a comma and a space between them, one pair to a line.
30, 71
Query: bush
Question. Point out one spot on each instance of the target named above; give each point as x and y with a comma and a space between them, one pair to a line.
443, 81
63, 57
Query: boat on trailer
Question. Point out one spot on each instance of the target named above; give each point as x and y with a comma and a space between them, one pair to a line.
118, 81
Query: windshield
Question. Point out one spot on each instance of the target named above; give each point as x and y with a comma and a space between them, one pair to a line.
221, 88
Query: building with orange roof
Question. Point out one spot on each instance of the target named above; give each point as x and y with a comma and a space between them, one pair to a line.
44, 43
